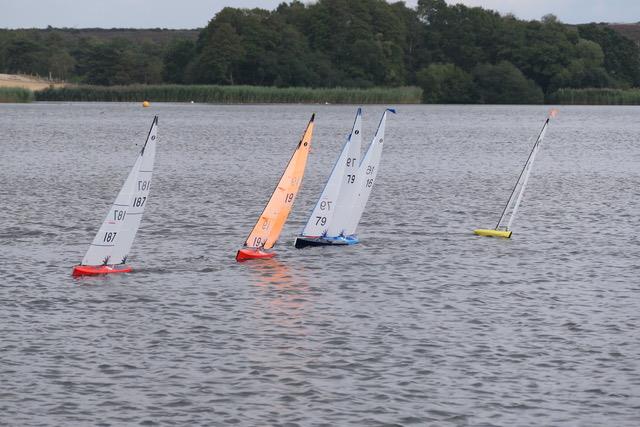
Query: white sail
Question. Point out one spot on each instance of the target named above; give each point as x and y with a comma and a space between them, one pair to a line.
366, 176
342, 175
114, 239
510, 210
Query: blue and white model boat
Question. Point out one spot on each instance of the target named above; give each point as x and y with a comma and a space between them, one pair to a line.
336, 215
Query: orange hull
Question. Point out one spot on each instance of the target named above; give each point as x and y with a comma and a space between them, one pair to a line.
253, 253
98, 270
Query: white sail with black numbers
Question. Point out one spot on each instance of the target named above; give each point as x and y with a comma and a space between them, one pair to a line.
366, 176
115, 238
342, 176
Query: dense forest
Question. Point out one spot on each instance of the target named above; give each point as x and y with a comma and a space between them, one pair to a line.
453, 52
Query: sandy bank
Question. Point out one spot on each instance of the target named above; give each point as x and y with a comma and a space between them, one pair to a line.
27, 82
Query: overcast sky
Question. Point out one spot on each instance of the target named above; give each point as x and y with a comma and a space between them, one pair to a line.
196, 13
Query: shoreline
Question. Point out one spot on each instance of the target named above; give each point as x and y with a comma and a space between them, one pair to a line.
21, 89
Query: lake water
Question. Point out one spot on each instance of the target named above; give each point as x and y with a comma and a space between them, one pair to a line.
423, 323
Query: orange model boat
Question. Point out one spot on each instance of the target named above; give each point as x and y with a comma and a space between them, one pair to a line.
269, 225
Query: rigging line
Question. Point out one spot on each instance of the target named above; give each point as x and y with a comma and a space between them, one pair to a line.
522, 172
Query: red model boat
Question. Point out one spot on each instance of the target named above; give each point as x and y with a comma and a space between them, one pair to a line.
269, 225
110, 247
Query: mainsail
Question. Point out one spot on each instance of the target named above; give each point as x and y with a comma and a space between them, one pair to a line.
271, 221
346, 223
113, 241
511, 208
340, 186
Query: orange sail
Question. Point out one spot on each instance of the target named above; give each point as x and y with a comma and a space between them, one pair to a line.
269, 226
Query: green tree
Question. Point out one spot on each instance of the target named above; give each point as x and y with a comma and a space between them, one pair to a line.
176, 60
61, 64
621, 55
446, 84
220, 55
23, 55
503, 83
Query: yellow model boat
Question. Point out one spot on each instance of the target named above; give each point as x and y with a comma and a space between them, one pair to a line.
503, 229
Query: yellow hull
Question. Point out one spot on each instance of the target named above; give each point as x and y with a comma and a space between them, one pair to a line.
493, 233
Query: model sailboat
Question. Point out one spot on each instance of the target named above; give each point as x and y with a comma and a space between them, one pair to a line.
335, 217
270, 223
503, 228
110, 248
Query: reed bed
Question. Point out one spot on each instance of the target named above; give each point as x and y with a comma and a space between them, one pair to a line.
232, 94
595, 97
15, 95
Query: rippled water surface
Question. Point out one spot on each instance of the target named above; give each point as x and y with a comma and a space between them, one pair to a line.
423, 323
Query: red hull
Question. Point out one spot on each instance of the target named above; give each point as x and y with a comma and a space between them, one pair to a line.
253, 253
98, 270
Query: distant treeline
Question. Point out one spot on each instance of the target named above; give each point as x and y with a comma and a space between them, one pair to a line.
456, 54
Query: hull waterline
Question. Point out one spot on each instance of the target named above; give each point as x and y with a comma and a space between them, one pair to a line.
493, 233
247, 254
100, 270
311, 241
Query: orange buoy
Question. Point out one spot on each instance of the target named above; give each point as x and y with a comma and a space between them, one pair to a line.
146, 104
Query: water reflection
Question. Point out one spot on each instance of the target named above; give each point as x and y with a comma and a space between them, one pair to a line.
284, 292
